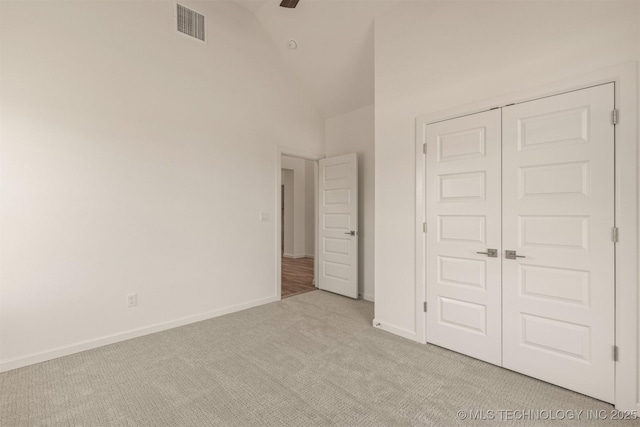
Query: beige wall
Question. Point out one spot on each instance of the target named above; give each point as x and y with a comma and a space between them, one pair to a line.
288, 214
310, 172
137, 160
301, 219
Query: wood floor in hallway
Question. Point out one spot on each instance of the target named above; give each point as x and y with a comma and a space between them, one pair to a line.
297, 276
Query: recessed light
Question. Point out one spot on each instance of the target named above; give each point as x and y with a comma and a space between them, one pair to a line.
292, 44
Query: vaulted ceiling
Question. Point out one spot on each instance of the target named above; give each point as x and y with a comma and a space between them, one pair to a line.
333, 60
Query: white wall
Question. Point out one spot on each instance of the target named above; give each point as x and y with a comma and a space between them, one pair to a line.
434, 56
353, 132
136, 159
287, 182
310, 207
303, 205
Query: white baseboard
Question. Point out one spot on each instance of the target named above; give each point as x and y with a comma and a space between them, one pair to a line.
367, 297
295, 256
395, 330
134, 333
310, 256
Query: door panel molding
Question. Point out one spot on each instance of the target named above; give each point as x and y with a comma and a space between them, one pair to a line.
464, 216
567, 345
626, 264
338, 212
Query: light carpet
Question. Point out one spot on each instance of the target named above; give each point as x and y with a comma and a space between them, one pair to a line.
309, 360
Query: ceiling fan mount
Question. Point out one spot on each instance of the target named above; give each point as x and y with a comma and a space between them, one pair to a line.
290, 4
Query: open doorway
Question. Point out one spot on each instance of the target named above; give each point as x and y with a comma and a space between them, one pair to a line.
297, 213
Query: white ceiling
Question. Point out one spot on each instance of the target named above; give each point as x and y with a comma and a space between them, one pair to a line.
334, 58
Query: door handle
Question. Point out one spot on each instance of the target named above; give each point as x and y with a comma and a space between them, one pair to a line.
512, 255
351, 233
491, 253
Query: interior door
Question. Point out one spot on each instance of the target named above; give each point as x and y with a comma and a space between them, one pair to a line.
338, 225
463, 235
558, 214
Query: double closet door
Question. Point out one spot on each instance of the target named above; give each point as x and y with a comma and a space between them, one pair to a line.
519, 249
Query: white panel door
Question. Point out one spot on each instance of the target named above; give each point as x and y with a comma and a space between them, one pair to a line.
558, 214
463, 220
338, 217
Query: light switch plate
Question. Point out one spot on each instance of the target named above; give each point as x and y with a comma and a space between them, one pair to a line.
264, 216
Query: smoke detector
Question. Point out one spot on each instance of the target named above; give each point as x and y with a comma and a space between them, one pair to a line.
292, 44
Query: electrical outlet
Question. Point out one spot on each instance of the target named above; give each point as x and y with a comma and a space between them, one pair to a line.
132, 300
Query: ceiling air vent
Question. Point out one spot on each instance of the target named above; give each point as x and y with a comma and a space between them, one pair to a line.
190, 22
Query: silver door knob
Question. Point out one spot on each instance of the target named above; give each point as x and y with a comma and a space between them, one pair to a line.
512, 255
491, 253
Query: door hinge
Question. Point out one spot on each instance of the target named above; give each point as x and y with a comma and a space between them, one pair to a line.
614, 234
424, 306
614, 117
424, 148
615, 352
424, 227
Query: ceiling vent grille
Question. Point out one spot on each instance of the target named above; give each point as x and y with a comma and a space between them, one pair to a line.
190, 22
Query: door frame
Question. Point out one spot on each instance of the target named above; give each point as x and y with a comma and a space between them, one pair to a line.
286, 151
627, 305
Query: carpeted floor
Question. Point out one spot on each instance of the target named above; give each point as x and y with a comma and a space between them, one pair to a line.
313, 359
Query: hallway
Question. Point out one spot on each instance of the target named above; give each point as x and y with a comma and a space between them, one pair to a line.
297, 276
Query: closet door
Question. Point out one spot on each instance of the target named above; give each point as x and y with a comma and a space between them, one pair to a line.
463, 224
558, 214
